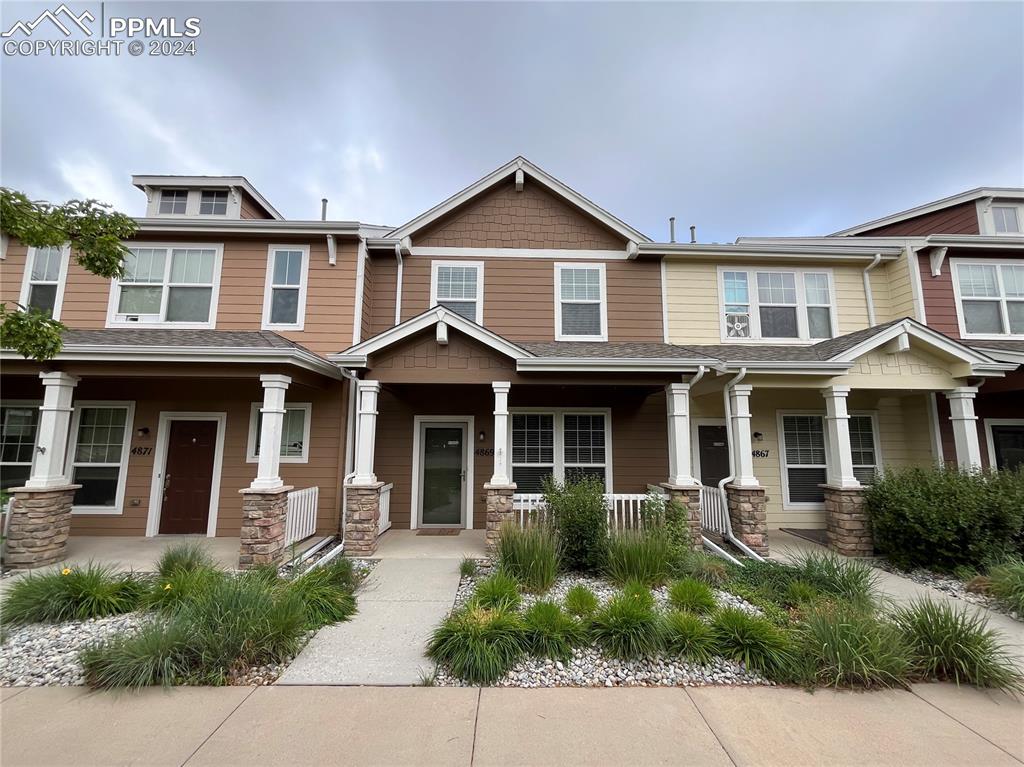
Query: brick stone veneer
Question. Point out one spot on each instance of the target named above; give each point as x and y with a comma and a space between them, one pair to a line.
262, 533
749, 517
362, 519
688, 497
499, 509
40, 524
849, 527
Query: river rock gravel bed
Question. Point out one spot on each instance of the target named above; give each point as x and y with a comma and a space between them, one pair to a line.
949, 585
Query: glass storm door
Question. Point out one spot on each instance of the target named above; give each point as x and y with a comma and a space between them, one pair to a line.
443, 475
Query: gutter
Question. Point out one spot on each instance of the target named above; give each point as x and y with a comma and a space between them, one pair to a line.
248, 226
867, 289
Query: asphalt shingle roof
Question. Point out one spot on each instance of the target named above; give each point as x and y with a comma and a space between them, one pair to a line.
187, 339
608, 350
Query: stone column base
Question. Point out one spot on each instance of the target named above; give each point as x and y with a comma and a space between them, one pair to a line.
262, 534
40, 525
688, 497
749, 518
849, 527
499, 510
362, 519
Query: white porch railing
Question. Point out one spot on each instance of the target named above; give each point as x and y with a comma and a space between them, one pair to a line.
623, 509
714, 515
300, 519
385, 508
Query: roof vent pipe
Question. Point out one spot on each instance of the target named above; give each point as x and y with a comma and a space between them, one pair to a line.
693, 233
671, 228
323, 208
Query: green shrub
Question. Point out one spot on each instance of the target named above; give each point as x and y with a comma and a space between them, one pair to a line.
71, 593
1006, 583
772, 612
477, 644
625, 628
687, 635
158, 653
670, 519
530, 554
580, 517
550, 632
753, 641
850, 647
801, 594
943, 518
643, 556
852, 580
468, 567
168, 593
184, 557
499, 591
768, 578
580, 601
951, 643
639, 593
690, 595
326, 593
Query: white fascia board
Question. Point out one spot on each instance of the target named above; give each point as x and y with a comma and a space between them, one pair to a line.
834, 252
1005, 355
786, 367
247, 226
924, 334
984, 242
554, 253
612, 365
495, 177
867, 242
1015, 193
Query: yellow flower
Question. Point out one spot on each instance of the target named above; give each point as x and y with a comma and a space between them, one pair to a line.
66, 571
167, 587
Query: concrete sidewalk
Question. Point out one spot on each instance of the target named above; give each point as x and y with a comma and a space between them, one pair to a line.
934, 725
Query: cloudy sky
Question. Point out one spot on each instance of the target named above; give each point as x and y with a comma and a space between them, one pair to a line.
744, 119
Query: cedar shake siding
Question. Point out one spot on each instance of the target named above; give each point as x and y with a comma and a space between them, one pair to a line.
505, 218
957, 219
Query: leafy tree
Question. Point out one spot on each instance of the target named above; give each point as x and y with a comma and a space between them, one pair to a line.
93, 230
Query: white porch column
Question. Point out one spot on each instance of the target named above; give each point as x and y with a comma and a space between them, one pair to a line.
839, 456
501, 474
680, 468
366, 432
743, 459
268, 473
965, 428
54, 424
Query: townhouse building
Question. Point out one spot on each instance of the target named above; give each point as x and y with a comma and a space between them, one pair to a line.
264, 378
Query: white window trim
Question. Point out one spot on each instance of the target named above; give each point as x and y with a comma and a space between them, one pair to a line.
122, 477
479, 265
192, 201
33, 403
987, 219
115, 288
1002, 300
250, 450
268, 289
418, 422
559, 335
227, 202
784, 465
558, 415
989, 437
754, 304
62, 278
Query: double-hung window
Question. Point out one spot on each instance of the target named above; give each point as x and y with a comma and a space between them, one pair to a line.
565, 445
1006, 219
804, 451
990, 297
284, 300
862, 445
776, 304
213, 202
46, 270
173, 202
167, 285
459, 286
19, 424
581, 302
98, 456
294, 434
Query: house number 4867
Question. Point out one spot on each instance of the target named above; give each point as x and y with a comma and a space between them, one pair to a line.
759, 453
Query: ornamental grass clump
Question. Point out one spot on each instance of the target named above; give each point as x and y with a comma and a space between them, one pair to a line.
326, 593
169, 592
639, 593
581, 601
478, 644
72, 593
702, 567
643, 556
1006, 584
157, 654
687, 635
499, 591
550, 632
184, 558
468, 567
626, 628
843, 646
850, 580
529, 554
953, 644
753, 641
690, 595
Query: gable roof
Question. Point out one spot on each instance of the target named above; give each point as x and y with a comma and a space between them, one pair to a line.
930, 207
538, 175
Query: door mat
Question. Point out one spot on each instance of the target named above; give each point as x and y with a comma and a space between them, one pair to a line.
439, 531
814, 536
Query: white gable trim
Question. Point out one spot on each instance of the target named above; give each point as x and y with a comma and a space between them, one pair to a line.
494, 178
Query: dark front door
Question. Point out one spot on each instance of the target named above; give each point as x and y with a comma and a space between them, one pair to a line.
1008, 441
443, 475
188, 477
713, 443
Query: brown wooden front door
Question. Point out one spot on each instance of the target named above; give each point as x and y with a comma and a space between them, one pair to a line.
188, 477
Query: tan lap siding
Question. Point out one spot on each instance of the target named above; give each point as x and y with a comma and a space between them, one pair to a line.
381, 309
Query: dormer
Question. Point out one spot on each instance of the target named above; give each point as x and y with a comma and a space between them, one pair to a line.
215, 197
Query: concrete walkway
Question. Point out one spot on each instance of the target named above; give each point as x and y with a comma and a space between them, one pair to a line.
935, 725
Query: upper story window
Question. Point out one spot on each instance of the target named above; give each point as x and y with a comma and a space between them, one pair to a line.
581, 302
989, 297
284, 298
213, 203
173, 202
167, 285
776, 304
1006, 219
459, 286
46, 270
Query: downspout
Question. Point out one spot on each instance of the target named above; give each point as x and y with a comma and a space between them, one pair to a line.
867, 289
398, 283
